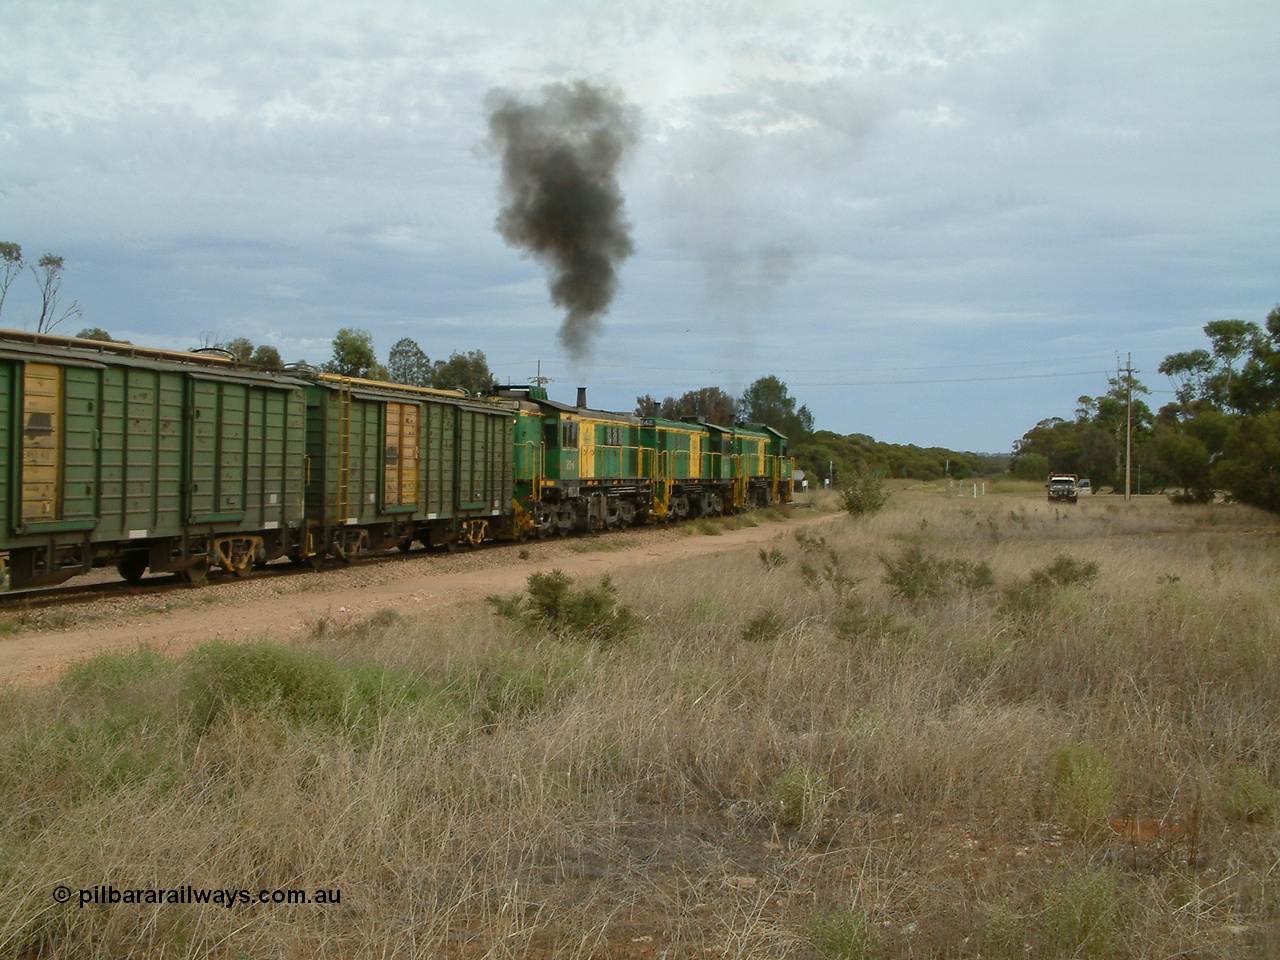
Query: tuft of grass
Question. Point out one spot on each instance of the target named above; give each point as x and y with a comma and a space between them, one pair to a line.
773, 558
801, 795
295, 684
764, 627
1084, 787
844, 935
1251, 798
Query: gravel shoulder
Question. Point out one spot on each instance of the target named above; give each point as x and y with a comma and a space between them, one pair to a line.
41, 644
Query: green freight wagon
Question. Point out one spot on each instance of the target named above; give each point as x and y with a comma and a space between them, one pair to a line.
389, 464
143, 459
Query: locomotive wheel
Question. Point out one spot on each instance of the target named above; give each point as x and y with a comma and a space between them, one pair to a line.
131, 568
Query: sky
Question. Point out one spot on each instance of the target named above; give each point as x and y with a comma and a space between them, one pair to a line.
937, 223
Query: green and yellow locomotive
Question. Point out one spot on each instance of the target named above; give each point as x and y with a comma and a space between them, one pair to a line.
579, 469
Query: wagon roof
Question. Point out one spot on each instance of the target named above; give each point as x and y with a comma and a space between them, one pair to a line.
46, 347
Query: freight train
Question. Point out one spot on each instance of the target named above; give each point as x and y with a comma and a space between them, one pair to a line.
179, 462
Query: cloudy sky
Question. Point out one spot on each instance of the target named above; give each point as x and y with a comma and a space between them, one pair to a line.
938, 223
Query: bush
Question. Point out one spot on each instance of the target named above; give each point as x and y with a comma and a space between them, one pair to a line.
551, 604
1080, 913
1031, 596
863, 493
915, 575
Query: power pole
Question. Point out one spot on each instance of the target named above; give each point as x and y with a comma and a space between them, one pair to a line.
1128, 423
540, 380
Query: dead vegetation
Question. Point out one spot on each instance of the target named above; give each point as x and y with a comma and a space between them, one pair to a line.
957, 728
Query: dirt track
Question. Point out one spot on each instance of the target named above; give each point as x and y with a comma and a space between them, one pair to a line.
46, 643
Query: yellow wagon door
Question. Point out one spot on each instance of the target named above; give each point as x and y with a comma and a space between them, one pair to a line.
41, 442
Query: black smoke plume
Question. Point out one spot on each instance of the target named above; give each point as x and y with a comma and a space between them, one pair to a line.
560, 193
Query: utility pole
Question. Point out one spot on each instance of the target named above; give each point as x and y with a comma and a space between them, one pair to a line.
1128, 422
540, 380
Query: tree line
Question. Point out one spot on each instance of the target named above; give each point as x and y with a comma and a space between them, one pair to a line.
1220, 432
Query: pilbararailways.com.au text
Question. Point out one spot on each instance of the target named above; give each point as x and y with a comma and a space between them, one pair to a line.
110, 894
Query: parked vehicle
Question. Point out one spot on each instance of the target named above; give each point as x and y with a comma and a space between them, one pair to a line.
1063, 487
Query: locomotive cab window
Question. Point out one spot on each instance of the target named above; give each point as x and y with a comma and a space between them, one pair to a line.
569, 434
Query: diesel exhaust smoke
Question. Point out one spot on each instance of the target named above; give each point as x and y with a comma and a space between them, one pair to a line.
561, 200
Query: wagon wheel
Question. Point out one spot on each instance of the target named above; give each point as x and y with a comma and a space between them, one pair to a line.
405, 545
241, 558
132, 567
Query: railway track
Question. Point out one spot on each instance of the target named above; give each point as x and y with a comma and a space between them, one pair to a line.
115, 589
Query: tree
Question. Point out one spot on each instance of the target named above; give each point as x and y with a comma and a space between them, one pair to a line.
708, 404
766, 401
464, 371
1190, 372
240, 348
353, 355
97, 333
406, 363
49, 279
14, 264
267, 358
1250, 467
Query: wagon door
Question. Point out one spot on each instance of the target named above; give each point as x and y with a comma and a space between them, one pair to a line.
60, 408
216, 418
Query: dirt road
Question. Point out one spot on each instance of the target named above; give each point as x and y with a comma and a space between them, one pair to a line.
39, 645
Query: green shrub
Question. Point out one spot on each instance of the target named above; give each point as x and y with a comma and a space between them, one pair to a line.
802, 795
1079, 913
844, 935
863, 493
551, 604
1084, 787
1065, 571
915, 575
1251, 797
1032, 595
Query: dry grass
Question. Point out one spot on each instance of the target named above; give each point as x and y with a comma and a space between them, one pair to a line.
790, 759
